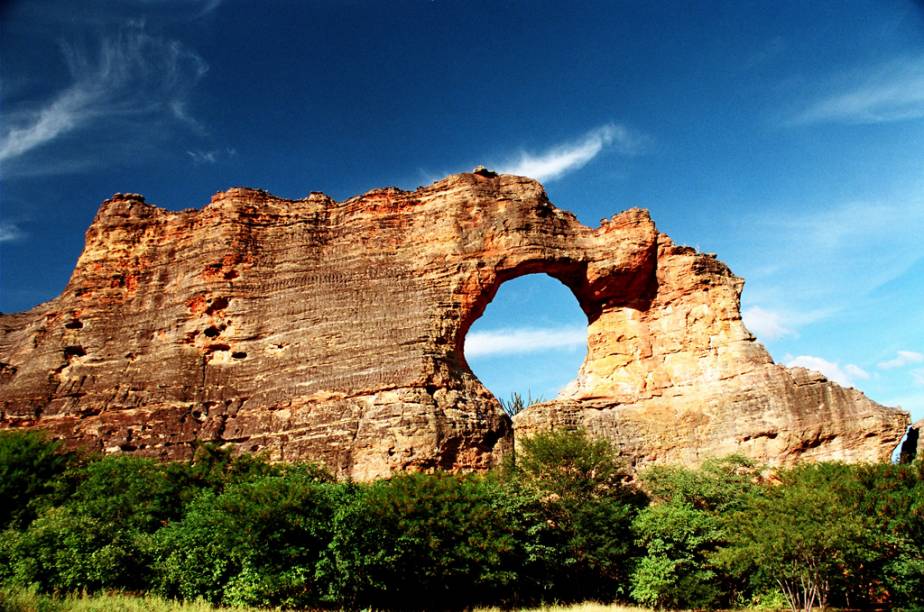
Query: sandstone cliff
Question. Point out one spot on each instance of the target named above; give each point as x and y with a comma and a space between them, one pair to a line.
334, 331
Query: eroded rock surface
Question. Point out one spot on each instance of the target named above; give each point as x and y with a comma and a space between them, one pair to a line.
334, 331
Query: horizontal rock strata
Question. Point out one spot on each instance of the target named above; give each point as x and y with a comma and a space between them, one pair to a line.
334, 331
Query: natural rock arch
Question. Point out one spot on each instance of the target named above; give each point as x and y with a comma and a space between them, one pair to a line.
315, 329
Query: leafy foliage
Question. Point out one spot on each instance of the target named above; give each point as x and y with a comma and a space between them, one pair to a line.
584, 497
29, 465
423, 541
682, 530
65, 551
257, 543
570, 465
675, 571
805, 535
560, 523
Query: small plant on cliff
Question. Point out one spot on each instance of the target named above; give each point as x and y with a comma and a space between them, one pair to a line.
517, 403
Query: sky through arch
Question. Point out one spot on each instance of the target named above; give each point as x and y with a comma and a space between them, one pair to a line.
531, 339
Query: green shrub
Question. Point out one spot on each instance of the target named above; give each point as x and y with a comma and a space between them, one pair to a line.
570, 465
683, 528
589, 508
63, 551
257, 543
718, 486
424, 541
127, 493
675, 571
212, 468
804, 536
892, 497
29, 465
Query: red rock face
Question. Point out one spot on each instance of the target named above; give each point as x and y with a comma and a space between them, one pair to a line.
334, 331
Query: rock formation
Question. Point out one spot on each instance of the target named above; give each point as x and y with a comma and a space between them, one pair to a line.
912, 446
334, 331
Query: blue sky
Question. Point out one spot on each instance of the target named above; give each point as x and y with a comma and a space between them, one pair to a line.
787, 137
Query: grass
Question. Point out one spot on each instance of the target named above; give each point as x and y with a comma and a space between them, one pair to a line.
21, 600
581, 607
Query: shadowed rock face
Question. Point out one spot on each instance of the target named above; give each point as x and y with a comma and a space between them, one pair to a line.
334, 331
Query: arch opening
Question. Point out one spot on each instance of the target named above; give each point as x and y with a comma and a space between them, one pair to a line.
530, 341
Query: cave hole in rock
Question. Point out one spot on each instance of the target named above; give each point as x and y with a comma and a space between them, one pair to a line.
531, 340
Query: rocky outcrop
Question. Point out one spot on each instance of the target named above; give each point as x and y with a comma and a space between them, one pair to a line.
912, 446
334, 331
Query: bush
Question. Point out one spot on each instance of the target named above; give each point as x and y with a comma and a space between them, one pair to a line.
559, 524
257, 543
570, 465
892, 496
29, 465
584, 499
683, 529
424, 541
718, 486
675, 571
213, 468
64, 551
127, 493
804, 536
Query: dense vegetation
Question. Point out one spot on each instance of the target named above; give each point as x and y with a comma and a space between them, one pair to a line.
559, 525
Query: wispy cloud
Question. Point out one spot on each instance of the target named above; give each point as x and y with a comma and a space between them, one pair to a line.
856, 372
210, 157
767, 325
564, 158
838, 241
523, 340
901, 359
133, 76
201, 7
843, 376
10, 232
918, 376
893, 91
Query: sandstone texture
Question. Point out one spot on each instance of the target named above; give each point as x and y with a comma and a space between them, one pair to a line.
334, 331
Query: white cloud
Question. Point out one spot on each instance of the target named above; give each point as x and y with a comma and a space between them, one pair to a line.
9, 232
856, 372
825, 249
765, 324
912, 402
901, 359
212, 156
133, 76
918, 376
206, 6
523, 340
769, 324
833, 371
888, 92
565, 158
203, 157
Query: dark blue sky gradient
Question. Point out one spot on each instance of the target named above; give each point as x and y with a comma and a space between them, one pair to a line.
788, 137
